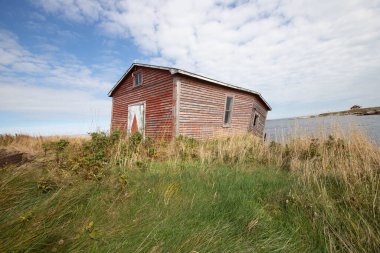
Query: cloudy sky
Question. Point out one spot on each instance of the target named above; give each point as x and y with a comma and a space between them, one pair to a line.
59, 58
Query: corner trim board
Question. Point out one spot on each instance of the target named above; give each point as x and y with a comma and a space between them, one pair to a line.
178, 105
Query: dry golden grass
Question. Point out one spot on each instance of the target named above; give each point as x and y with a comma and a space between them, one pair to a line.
34, 144
335, 178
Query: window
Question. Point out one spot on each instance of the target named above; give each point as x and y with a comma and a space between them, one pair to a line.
255, 119
137, 79
228, 111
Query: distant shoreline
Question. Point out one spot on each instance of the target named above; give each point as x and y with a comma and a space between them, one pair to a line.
358, 112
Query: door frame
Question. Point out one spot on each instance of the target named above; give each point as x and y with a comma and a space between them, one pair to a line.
143, 103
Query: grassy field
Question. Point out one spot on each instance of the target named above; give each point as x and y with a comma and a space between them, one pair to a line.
237, 194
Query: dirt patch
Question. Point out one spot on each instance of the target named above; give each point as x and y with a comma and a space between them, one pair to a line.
11, 157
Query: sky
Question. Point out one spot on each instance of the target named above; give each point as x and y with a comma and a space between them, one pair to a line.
59, 58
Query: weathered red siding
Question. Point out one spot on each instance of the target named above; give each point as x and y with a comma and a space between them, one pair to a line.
157, 92
202, 105
177, 104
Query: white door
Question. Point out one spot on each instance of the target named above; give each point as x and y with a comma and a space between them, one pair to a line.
136, 118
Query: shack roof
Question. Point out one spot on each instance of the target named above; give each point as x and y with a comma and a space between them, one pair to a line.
174, 71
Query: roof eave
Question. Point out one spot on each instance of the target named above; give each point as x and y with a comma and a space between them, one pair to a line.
174, 71
183, 72
127, 72
121, 79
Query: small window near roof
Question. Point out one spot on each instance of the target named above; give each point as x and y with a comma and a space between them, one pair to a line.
228, 110
138, 79
255, 119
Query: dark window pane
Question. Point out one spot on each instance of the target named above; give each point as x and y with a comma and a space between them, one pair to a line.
255, 119
228, 110
229, 104
137, 79
227, 116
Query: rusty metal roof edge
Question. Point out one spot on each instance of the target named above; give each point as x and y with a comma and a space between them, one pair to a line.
187, 73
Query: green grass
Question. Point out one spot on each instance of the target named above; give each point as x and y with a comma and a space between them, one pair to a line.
177, 209
179, 202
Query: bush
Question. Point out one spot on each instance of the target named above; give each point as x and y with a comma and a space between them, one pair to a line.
59, 148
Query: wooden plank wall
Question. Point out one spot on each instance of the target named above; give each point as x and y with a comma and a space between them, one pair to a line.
157, 92
202, 110
259, 108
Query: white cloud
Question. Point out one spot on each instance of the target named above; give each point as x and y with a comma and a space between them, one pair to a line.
79, 9
51, 102
51, 70
51, 88
293, 52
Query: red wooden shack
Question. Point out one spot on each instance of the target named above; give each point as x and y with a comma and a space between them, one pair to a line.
166, 102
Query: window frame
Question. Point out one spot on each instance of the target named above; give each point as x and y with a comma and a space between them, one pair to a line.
134, 79
255, 120
228, 124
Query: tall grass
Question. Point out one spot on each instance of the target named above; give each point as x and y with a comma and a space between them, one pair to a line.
231, 194
30, 144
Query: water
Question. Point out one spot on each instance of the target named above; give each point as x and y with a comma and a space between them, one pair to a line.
280, 129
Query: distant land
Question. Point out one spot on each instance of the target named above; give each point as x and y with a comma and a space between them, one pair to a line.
356, 111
